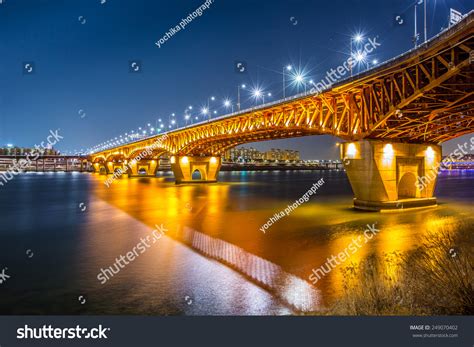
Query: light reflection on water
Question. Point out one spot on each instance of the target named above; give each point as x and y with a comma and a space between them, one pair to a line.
291, 289
41, 212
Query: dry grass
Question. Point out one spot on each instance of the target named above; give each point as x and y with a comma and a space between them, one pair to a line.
435, 279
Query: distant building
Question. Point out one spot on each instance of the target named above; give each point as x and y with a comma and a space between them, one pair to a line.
250, 154
23, 151
282, 155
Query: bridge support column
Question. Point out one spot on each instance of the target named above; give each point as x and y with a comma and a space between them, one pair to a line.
143, 168
112, 167
99, 168
387, 176
188, 169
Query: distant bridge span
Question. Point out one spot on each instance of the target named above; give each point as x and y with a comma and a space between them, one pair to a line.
412, 103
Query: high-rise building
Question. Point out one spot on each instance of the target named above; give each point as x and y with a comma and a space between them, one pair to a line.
247, 155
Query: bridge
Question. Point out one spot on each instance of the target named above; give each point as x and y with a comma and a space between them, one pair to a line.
392, 119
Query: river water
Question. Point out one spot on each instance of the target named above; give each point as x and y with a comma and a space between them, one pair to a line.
59, 231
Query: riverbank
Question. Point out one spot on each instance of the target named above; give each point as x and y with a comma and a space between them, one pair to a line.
435, 278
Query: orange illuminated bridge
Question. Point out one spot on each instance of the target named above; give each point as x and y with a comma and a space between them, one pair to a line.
393, 119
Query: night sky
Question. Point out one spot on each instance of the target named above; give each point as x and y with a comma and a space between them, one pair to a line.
81, 51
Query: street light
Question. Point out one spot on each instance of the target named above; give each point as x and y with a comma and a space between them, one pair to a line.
242, 86
171, 121
288, 68
357, 38
263, 96
361, 58
298, 79
257, 93
424, 19
228, 103
208, 104
188, 115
